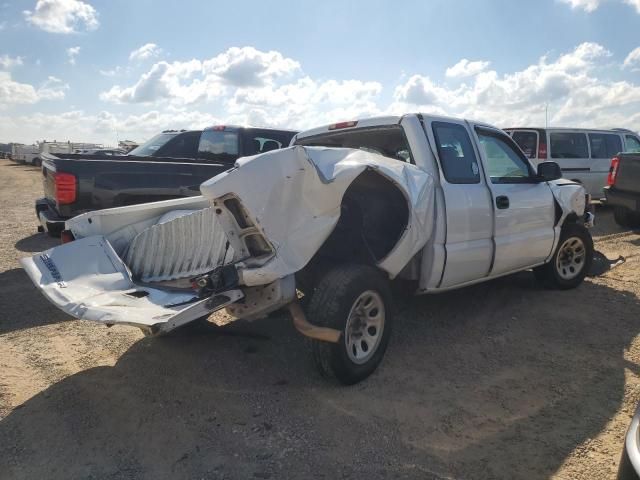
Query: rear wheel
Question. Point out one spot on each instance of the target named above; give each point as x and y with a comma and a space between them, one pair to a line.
570, 262
625, 217
355, 299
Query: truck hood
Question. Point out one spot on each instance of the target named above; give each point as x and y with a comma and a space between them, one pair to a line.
294, 197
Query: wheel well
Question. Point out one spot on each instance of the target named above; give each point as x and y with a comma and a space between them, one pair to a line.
374, 215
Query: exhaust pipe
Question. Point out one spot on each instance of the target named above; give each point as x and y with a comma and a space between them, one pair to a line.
309, 330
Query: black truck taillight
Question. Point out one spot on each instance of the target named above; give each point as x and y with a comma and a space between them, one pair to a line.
613, 171
65, 188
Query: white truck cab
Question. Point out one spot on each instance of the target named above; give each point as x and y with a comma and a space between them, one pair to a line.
438, 202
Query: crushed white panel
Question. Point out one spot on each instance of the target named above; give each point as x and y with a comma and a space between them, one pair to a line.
293, 196
87, 280
181, 244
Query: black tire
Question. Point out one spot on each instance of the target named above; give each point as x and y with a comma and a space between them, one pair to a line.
331, 303
625, 217
550, 274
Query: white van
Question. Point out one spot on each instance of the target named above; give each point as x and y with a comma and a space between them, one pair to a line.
584, 155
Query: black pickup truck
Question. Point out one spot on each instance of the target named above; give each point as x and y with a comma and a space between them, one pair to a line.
623, 189
172, 164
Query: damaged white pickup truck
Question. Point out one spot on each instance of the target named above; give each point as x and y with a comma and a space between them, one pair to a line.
430, 202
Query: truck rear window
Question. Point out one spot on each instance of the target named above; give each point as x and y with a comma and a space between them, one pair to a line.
527, 141
389, 141
218, 146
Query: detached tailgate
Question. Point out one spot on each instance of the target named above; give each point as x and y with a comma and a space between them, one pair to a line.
87, 280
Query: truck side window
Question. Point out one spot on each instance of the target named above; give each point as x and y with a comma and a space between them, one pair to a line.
633, 144
457, 158
505, 163
604, 145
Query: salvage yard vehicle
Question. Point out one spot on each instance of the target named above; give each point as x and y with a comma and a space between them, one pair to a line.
26, 154
172, 164
583, 154
629, 467
623, 189
431, 203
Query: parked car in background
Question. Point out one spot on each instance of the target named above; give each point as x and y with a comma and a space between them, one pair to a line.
583, 155
623, 189
102, 152
172, 164
439, 203
61, 148
25, 153
629, 468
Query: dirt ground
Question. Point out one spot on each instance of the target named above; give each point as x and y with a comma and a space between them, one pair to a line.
502, 380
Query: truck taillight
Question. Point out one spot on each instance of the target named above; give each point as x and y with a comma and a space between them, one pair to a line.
65, 185
66, 236
542, 151
613, 171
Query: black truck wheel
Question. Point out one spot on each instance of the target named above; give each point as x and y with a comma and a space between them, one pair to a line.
355, 299
570, 262
626, 217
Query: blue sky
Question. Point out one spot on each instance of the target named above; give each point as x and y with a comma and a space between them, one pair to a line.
89, 70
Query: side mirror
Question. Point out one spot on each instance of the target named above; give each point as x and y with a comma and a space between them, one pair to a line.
548, 171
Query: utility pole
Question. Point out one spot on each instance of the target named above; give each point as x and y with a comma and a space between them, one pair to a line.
546, 115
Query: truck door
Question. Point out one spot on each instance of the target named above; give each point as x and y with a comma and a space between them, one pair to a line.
469, 214
524, 206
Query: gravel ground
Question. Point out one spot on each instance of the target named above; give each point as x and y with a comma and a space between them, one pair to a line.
501, 380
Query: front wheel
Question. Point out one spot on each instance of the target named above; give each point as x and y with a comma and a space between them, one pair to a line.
355, 299
570, 262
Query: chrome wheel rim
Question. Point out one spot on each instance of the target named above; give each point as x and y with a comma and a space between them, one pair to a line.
571, 258
364, 328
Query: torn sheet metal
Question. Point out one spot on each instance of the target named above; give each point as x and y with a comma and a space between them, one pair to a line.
294, 196
87, 280
183, 243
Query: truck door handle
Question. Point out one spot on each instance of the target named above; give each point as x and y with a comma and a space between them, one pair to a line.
502, 202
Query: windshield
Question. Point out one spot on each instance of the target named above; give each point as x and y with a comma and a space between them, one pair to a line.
150, 147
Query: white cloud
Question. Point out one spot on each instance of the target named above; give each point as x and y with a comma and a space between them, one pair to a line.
247, 86
247, 66
52, 89
12, 92
114, 72
632, 61
63, 16
634, 3
7, 62
592, 5
576, 96
193, 80
465, 68
16, 93
145, 52
586, 5
72, 53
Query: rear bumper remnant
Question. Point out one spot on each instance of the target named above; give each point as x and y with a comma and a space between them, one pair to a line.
309, 330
